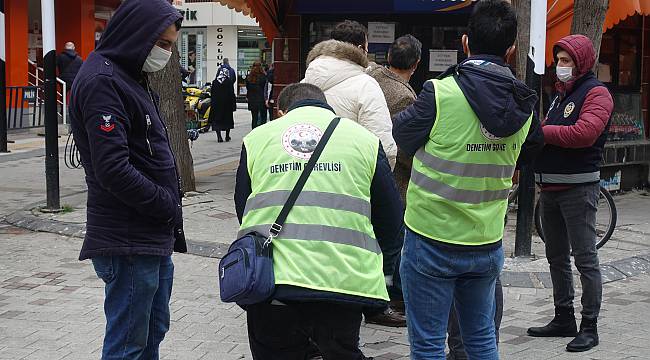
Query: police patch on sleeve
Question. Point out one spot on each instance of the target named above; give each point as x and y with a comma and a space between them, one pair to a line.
300, 140
107, 123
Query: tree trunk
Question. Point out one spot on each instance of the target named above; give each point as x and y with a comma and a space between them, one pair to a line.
588, 19
522, 7
167, 83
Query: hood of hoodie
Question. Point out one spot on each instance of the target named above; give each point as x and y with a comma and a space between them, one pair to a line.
133, 30
70, 53
582, 51
331, 62
502, 103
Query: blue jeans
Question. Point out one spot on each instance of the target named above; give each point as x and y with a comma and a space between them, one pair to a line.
136, 305
432, 277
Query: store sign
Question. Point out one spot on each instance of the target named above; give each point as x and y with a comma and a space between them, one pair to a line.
189, 15
432, 5
220, 46
441, 60
381, 33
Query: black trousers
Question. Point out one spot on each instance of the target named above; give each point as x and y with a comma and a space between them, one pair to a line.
278, 332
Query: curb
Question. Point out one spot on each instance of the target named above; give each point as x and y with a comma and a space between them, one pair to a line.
27, 220
611, 272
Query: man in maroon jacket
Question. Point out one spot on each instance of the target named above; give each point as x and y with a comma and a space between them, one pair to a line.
568, 171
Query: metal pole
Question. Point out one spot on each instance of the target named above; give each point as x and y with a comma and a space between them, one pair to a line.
3, 82
526, 199
51, 118
535, 67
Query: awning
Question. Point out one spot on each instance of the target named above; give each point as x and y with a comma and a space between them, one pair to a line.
270, 14
560, 15
237, 5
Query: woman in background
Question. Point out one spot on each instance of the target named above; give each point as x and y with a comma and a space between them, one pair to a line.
223, 104
256, 94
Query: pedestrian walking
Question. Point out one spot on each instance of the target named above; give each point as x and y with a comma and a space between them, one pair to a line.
270, 102
568, 171
256, 94
338, 68
403, 57
329, 255
466, 130
69, 63
223, 104
134, 219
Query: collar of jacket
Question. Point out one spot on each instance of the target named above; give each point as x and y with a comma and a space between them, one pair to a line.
310, 102
493, 59
339, 50
388, 73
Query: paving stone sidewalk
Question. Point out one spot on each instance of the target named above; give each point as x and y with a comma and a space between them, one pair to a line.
50, 303
51, 309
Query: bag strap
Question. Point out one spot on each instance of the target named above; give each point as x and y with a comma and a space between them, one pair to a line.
276, 228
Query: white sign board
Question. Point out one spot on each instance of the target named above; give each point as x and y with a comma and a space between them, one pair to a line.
381, 33
441, 60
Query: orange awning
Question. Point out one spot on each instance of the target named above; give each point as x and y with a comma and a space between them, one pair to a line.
237, 5
270, 14
560, 15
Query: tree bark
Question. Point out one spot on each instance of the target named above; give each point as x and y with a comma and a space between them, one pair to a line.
588, 19
167, 84
522, 7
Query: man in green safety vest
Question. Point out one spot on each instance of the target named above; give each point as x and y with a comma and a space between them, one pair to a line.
466, 131
343, 229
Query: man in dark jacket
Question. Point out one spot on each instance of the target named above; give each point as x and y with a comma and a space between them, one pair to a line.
568, 171
467, 130
69, 63
134, 219
328, 256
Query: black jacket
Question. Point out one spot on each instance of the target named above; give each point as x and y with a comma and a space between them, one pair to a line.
386, 216
134, 201
69, 63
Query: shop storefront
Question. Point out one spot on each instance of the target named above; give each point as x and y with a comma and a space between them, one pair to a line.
79, 21
438, 25
212, 32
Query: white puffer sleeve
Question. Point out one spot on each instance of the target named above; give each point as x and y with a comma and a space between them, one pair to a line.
374, 115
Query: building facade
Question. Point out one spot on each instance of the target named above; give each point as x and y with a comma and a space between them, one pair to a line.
212, 32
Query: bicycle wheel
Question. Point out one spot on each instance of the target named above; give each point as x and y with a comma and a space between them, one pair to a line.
606, 217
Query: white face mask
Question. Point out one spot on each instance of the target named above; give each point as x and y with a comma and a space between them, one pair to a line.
564, 73
157, 59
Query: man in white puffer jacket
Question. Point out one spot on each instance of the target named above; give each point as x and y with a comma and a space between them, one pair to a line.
338, 68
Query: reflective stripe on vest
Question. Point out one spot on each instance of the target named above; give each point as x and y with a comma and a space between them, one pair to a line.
451, 193
320, 233
461, 169
310, 198
568, 178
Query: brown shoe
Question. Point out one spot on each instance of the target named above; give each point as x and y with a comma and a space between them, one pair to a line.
387, 318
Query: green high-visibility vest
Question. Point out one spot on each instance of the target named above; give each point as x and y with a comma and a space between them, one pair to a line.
327, 242
461, 178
